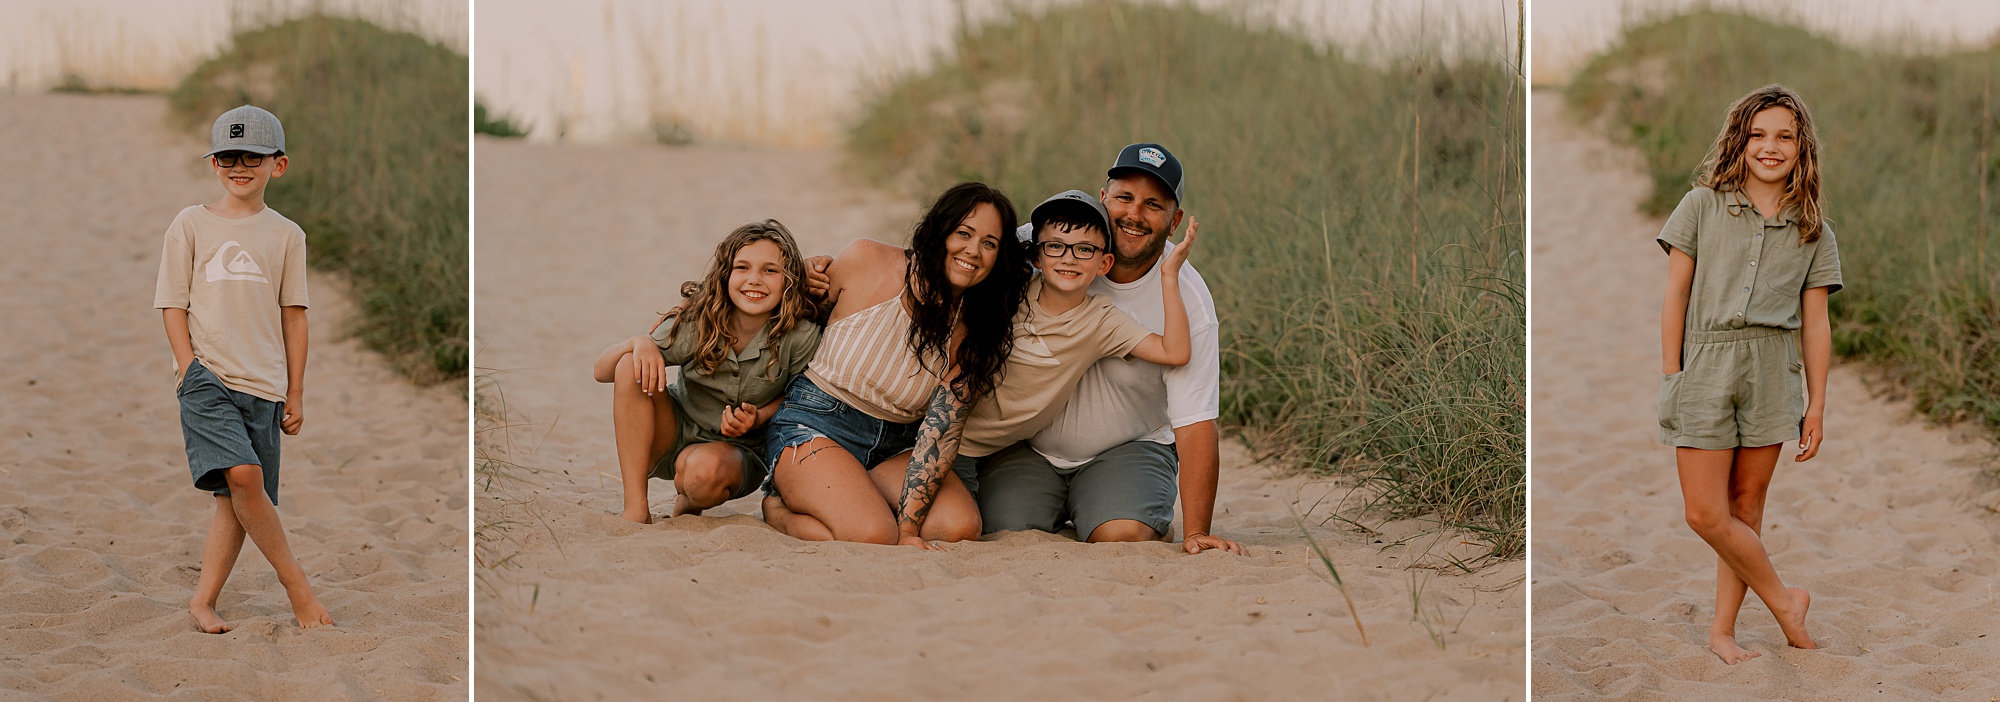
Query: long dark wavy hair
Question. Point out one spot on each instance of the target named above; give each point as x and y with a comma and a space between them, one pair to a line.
708, 307
1723, 170
987, 309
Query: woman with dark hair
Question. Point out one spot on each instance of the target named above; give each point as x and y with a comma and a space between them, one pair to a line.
915, 334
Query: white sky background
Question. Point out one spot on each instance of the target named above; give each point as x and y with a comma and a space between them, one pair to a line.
1564, 34
791, 72
151, 44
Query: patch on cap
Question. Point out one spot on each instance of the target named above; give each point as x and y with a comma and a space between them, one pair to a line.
1152, 157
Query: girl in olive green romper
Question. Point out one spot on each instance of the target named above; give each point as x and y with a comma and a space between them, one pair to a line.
1751, 261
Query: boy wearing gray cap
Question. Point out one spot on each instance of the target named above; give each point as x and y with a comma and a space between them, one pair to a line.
232, 289
1059, 331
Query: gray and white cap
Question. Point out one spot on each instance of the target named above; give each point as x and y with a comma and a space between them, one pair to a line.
247, 128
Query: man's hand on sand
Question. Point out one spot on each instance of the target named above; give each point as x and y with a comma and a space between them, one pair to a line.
1202, 542
817, 282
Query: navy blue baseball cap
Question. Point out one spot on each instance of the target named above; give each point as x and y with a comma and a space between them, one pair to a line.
1155, 160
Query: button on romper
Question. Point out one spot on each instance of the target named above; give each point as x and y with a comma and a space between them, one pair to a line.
1741, 381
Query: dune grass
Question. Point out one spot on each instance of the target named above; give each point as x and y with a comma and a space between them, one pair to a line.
375, 125
1362, 224
1909, 160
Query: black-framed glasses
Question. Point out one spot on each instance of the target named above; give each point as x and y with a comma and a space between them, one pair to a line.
229, 159
1055, 249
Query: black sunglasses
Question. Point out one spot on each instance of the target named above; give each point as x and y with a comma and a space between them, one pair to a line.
229, 159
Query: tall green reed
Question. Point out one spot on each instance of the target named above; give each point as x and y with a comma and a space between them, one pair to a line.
1362, 223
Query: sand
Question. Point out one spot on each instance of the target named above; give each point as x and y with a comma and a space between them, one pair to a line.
1890, 527
102, 527
580, 246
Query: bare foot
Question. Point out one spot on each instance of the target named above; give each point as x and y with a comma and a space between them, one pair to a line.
777, 515
684, 506
206, 618
1724, 646
1794, 625
311, 614
643, 516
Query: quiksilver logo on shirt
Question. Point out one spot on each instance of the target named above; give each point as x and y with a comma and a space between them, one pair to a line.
239, 266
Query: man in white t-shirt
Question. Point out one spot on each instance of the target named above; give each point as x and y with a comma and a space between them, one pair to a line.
1134, 433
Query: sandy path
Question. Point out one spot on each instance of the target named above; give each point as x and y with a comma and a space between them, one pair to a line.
578, 246
1883, 526
103, 530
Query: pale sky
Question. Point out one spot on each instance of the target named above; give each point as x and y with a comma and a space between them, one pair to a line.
789, 72
1564, 34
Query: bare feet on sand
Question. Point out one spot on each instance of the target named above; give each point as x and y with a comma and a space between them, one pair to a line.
643, 516
1794, 623
682, 505
206, 618
1724, 646
311, 614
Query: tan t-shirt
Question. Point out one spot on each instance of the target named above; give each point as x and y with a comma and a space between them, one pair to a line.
233, 276
1051, 353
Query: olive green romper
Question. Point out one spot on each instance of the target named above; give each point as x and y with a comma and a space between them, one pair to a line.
1741, 381
754, 376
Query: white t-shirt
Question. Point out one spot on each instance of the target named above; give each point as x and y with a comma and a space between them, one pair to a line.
233, 276
1121, 400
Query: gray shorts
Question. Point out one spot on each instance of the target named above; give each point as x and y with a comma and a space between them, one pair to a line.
224, 428
1137, 480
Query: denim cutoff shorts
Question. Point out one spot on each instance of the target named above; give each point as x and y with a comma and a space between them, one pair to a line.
809, 413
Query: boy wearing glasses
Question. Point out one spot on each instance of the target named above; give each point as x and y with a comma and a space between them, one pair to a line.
232, 289
1060, 330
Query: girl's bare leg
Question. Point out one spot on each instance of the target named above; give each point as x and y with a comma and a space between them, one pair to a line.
821, 481
954, 515
1705, 480
218, 557
645, 429
705, 475
1749, 481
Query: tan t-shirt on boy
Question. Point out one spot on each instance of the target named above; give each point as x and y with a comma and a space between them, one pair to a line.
232, 276
1051, 353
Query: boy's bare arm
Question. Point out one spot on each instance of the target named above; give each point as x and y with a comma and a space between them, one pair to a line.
177, 337
1173, 348
294, 320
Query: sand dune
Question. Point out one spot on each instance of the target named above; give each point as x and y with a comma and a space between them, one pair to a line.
1889, 527
579, 246
103, 528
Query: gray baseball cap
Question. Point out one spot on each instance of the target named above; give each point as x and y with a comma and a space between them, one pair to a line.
1070, 200
246, 128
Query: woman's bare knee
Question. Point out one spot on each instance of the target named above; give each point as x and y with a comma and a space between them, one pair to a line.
1707, 522
1122, 531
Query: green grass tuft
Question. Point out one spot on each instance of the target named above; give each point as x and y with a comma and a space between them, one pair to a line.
492, 123
375, 127
1910, 156
1362, 225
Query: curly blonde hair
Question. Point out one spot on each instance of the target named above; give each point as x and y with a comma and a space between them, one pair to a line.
708, 306
1722, 170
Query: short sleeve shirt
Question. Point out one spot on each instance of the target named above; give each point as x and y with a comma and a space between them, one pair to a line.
1051, 354
1122, 400
233, 276
741, 377
1749, 271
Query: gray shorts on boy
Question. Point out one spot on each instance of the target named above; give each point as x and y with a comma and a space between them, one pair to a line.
1019, 490
224, 428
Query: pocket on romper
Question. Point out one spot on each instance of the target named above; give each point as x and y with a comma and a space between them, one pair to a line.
1670, 415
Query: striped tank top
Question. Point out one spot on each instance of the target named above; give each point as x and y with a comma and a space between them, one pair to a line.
864, 359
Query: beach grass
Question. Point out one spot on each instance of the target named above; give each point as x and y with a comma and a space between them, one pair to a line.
1910, 156
375, 125
1362, 222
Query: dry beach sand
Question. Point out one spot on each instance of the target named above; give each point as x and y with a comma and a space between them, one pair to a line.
103, 529
580, 246
1890, 527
